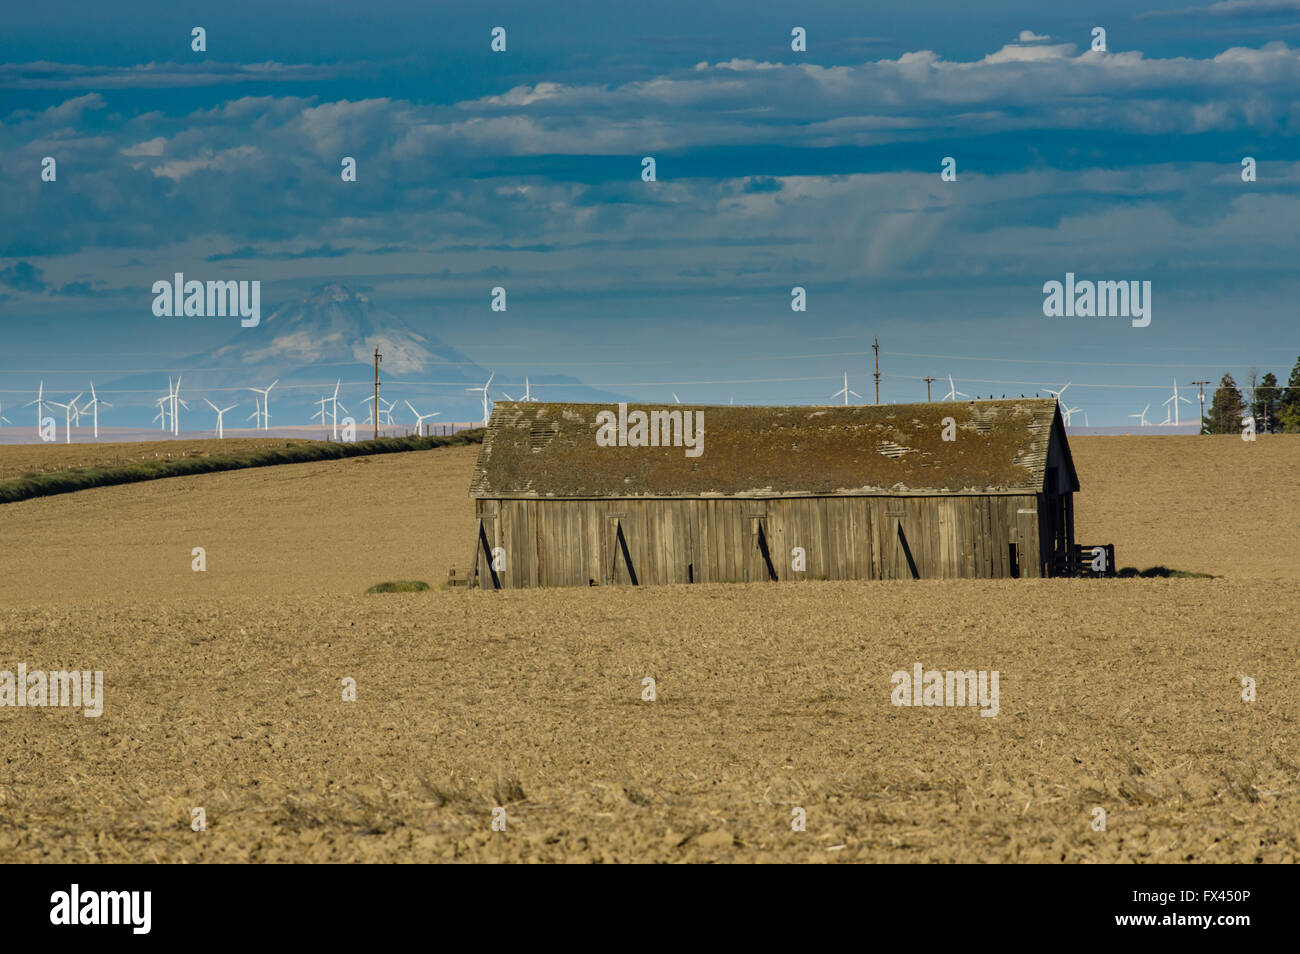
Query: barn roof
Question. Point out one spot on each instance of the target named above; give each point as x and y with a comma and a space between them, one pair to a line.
545, 450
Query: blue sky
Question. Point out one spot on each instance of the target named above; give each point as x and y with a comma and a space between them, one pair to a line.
775, 169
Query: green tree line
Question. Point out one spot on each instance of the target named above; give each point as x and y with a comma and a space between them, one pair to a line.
1275, 409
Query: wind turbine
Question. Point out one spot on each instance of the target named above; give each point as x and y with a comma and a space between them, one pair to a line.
528, 391
334, 403
1057, 394
221, 413
675, 397
1066, 412
484, 389
1142, 418
266, 402
69, 409
1174, 400
388, 412
420, 418
40, 406
256, 416
321, 413
165, 406
846, 391
93, 406
177, 404
953, 393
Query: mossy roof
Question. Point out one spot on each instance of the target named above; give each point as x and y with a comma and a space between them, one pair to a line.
546, 450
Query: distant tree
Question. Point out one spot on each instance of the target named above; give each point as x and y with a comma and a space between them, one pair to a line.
1288, 406
1264, 406
1226, 408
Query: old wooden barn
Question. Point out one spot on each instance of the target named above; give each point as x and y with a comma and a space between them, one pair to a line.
771, 493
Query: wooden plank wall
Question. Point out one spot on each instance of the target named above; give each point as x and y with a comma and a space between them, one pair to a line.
571, 542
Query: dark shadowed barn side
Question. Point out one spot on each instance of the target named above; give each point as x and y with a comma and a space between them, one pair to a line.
869, 492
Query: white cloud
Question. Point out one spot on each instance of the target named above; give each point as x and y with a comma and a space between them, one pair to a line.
1014, 53
151, 147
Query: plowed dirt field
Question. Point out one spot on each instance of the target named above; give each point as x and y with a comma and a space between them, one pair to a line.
223, 690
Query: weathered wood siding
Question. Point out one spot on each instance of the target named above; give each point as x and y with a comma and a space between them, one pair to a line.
566, 542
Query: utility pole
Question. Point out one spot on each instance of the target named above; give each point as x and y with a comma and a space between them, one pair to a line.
876, 348
927, 388
378, 357
1200, 388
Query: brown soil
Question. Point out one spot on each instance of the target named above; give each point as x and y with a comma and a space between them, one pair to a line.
223, 689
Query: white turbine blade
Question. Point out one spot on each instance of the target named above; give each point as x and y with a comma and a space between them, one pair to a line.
413, 410
489, 380
508, 397
675, 397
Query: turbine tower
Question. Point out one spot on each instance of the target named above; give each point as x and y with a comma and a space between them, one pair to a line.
321, 413
221, 413
40, 407
69, 410
177, 404
846, 391
334, 404
266, 402
484, 389
1174, 399
420, 418
93, 406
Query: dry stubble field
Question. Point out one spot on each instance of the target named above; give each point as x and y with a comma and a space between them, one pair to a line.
223, 688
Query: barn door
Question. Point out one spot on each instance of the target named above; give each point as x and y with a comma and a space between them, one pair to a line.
616, 552
760, 565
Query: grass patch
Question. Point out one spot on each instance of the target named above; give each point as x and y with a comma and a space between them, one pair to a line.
399, 586
83, 478
1162, 572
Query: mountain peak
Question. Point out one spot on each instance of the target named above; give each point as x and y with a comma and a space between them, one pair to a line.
334, 292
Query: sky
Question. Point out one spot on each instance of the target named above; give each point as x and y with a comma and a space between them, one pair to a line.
775, 169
